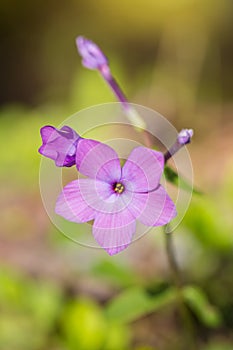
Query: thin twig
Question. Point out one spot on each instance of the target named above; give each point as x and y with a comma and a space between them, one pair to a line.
171, 258
189, 331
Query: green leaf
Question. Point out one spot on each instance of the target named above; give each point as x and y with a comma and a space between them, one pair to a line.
118, 336
136, 302
83, 325
172, 176
199, 304
205, 219
28, 311
115, 274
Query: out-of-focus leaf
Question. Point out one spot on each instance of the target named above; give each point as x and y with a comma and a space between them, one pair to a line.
43, 302
11, 291
83, 325
172, 176
115, 273
118, 337
28, 311
136, 302
199, 304
204, 219
18, 332
19, 134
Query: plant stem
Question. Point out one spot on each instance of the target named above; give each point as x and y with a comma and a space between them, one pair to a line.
171, 258
189, 332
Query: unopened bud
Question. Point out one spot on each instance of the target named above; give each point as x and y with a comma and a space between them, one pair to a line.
93, 57
185, 136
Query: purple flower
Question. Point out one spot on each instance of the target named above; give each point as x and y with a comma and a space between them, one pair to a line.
185, 136
115, 197
59, 145
93, 57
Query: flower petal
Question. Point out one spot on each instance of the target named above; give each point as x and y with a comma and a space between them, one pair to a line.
143, 168
71, 204
114, 232
59, 145
98, 196
93, 57
47, 132
135, 177
97, 161
156, 207
101, 197
138, 203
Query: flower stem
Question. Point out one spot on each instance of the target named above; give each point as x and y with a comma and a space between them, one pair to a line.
172, 259
183, 138
189, 331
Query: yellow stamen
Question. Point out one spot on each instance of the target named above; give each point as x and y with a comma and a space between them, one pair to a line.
119, 188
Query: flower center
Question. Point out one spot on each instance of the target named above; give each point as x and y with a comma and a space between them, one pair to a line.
118, 187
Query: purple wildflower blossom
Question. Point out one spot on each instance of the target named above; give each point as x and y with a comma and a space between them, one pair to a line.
183, 138
115, 197
59, 145
94, 58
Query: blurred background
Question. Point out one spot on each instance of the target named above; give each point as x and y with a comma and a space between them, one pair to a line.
172, 56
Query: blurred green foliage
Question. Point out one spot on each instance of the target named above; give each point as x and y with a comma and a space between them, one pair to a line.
210, 223
28, 311
20, 138
85, 327
32, 311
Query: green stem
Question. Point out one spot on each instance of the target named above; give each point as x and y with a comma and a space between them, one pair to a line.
171, 258
189, 332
